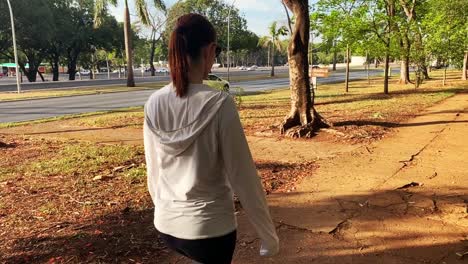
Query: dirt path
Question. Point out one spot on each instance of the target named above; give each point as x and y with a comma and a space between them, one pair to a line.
358, 207
263, 148
351, 209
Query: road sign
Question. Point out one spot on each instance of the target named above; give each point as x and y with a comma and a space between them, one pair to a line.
319, 72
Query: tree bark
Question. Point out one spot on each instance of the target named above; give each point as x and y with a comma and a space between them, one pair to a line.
367, 67
387, 66
31, 72
153, 47
425, 72
272, 73
335, 56
128, 46
40, 75
269, 55
72, 58
405, 60
302, 120
445, 76
465, 62
55, 68
404, 71
347, 68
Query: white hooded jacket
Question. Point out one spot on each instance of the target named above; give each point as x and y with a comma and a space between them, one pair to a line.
197, 155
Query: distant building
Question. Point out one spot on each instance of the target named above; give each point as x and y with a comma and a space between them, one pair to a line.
358, 60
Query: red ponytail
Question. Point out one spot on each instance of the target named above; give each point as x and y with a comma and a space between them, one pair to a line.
192, 32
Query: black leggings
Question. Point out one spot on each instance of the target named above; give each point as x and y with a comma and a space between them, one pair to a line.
216, 250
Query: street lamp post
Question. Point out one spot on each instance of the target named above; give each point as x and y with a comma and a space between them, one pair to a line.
229, 26
18, 84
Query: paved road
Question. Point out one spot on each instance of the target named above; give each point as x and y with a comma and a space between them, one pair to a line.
9, 84
44, 108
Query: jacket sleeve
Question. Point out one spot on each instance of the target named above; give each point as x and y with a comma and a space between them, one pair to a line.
243, 177
149, 141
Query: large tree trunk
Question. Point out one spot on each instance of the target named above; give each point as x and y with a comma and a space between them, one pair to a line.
55, 68
425, 72
128, 47
404, 70
347, 68
465, 62
405, 60
303, 120
31, 72
72, 58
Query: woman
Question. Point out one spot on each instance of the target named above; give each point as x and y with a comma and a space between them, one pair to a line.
197, 155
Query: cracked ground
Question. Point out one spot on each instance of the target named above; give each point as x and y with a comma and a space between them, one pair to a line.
400, 200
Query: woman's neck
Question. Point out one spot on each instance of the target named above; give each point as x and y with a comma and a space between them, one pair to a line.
196, 73
195, 78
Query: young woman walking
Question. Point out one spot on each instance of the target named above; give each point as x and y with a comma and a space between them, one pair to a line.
197, 156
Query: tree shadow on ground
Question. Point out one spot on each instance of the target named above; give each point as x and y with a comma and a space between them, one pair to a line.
124, 237
381, 96
391, 124
394, 226
409, 225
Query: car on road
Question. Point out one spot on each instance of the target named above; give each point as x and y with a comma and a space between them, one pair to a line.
217, 82
162, 70
252, 68
242, 68
85, 72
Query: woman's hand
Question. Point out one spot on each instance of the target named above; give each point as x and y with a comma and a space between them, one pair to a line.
269, 249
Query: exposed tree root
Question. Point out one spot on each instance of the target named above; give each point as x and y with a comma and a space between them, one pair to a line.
293, 128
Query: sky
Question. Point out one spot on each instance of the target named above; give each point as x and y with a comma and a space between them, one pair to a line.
258, 13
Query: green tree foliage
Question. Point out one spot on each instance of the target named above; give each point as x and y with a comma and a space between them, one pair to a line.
217, 13
31, 38
273, 42
56, 31
445, 27
340, 23
141, 7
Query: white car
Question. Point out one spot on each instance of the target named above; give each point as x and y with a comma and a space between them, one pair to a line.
85, 72
163, 70
242, 68
252, 68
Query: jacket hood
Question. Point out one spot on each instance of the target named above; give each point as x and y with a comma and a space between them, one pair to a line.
177, 122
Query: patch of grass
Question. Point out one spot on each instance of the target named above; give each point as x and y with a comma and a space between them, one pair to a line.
47, 208
265, 111
131, 118
85, 159
66, 117
136, 174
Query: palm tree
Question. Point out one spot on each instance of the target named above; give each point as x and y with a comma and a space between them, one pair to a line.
273, 42
142, 11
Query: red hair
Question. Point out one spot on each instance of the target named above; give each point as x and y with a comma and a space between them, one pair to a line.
191, 34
